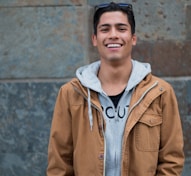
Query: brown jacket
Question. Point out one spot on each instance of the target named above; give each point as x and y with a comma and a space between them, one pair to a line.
152, 141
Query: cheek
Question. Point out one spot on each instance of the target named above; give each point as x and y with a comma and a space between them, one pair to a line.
98, 39
130, 41
97, 42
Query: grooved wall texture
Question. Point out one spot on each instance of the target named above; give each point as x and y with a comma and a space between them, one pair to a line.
42, 42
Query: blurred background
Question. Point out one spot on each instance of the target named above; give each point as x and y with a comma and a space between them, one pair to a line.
42, 42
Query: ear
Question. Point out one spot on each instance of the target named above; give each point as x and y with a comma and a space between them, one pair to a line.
94, 40
134, 39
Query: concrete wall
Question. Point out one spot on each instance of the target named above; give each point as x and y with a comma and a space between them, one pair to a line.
42, 42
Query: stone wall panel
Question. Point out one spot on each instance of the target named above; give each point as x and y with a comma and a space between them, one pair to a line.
20, 3
41, 42
167, 58
25, 118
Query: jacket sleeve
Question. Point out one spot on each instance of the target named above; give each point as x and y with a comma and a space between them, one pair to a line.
171, 155
60, 149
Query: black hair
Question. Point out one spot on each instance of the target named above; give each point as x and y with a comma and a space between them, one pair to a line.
128, 10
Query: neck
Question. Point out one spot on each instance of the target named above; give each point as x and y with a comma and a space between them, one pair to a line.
114, 77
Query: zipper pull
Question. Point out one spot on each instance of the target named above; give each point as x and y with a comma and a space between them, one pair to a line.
116, 117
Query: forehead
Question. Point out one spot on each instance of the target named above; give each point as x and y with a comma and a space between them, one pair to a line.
113, 18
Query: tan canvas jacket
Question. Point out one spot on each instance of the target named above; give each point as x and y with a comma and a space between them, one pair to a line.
152, 141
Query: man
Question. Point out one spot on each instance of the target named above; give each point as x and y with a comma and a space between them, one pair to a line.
115, 118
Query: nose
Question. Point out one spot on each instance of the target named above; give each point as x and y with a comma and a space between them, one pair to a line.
113, 33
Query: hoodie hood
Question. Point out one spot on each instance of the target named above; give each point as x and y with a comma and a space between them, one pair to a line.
88, 75
88, 78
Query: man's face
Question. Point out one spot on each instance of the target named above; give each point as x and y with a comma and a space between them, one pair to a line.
114, 39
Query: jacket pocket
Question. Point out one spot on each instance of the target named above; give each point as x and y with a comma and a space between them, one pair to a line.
147, 133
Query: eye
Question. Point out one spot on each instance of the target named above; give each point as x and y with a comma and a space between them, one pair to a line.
122, 29
104, 29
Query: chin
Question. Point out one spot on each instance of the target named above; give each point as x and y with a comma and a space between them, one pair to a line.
114, 58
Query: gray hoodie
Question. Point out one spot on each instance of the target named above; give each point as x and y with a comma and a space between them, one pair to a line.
115, 118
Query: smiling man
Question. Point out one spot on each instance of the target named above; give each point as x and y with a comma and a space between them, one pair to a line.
115, 118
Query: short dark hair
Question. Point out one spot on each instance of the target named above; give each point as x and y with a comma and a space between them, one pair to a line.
110, 7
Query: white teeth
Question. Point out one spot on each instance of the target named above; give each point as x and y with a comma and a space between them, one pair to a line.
113, 45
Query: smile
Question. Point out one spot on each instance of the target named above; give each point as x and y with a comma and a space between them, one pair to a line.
113, 45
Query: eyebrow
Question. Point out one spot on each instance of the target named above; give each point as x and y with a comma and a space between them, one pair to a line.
108, 25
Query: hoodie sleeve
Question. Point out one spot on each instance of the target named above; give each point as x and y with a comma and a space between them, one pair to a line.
60, 149
171, 156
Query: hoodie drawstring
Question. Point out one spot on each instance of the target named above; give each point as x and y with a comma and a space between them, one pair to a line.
90, 110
